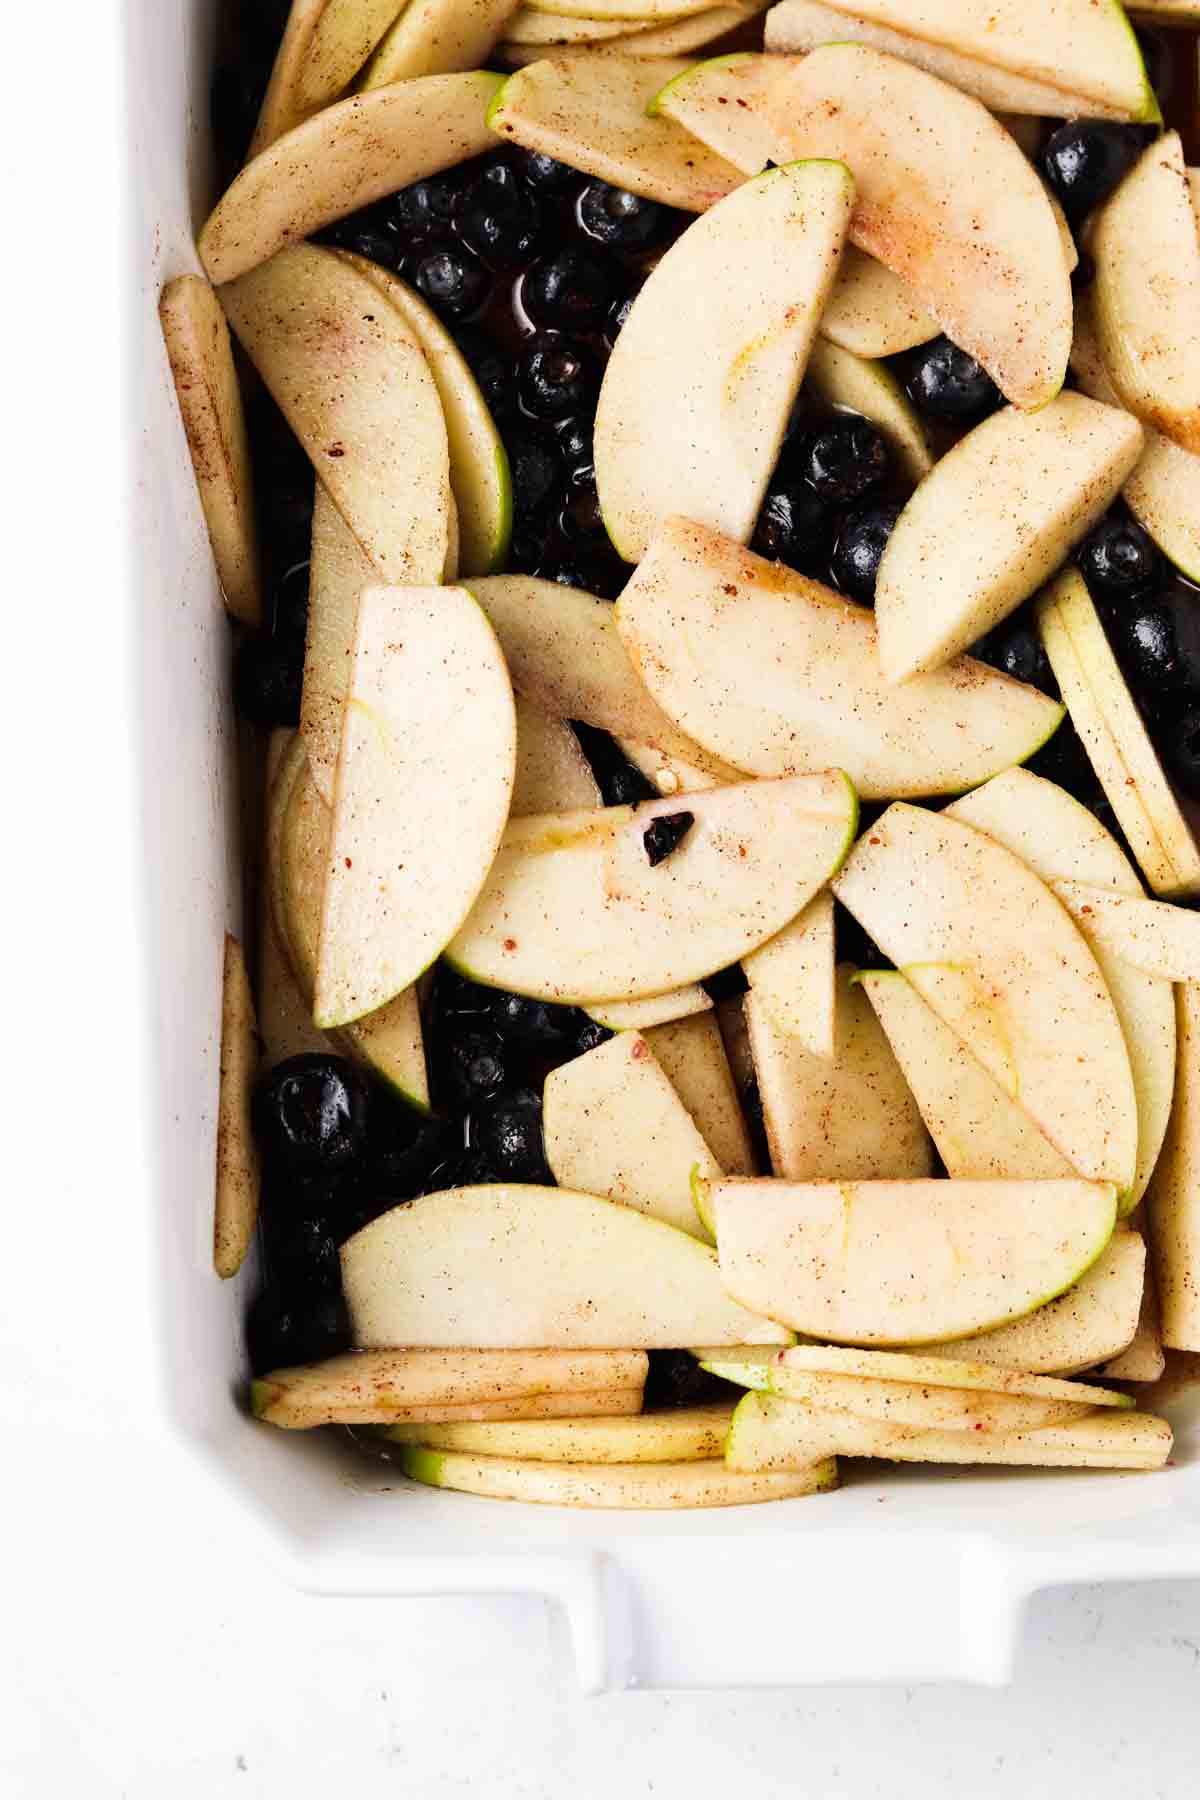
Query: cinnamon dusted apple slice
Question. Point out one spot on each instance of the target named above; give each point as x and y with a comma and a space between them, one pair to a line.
656, 1009
664, 1487
349, 155
793, 977
341, 41
721, 102
873, 312
918, 1406
278, 112
695, 402
339, 571
680, 37
1142, 1358
239, 1177
532, 29
946, 199
436, 37
675, 1434
851, 383
692, 1055
1173, 1199
1151, 935
552, 773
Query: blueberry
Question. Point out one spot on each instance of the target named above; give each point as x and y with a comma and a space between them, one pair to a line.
527, 547
1084, 160
1016, 649
793, 525
310, 1112
1144, 639
947, 383
620, 782
453, 283
1181, 752
590, 1035
726, 984
575, 448
303, 1256
845, 459
289, 605
621, 220
499, 219
268, 674
365, 237
675, 1378
620, 311
535, 470
555, 378
534, 1024
572, 290
284, 1329
473, 1066
1118, 559
460, 1167
597, 574
506, 1135
665, 834
458, 997
422, 208
492, 369
544, 173
861, 542
402, 1146
581, 520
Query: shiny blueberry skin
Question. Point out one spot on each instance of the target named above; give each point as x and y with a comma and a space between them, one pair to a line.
1118, 559
845, 460
1015, 648
581, 520
1084, 160
535, 469
366, 237
310, 1112
617, 317
473, 1066
794, 524
423, 208
492, 369
284, 1329
533, 1024
665, 834
1181, 752
268, 674
452, 282
556, 378
572, 290
590, 1035
947, 383
499, 219
861, 542
1144, 639
506, 1135
575, 448
620, 220
597, 574
544, 173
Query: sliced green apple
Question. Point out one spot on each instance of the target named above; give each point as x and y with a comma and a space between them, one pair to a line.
1001, 511
552, 773
721, 103
437, 37
352, 380
945, 198
347, 156
793, 977
210, 404
669, 774
285, 1016
454, 1267
422, 792
1117, 742
913, 883
850, 1115
341, 41
1057, 838
937, 1368
530, 28
873, 312
906, 1262
572, 910
925, 1408
339, 570
589, 111
735, 1035
694, 402
777, 673
239, 1176
639, 1486
1173, 1199
279, 113
1151, 935
981, 1134
655, 1009
680, 37
692, 1055
614, 1126
1146, 295
853, 384
1142, 1358
682, 1434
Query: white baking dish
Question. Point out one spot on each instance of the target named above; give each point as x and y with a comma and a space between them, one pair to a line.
899, 1577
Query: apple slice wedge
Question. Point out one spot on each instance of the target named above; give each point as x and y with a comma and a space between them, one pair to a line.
1142, 1358
682, 1434
352, 381
924, 1408
1173, 1199
692, 1056
454, 1267
905, 1262
847, 1116
912, 882
1146, 295
656, 1009
694, 404
1001, 511
776, 673
423, 787
341, 41
552, 773
614, 1126
721, 102
637, 1486
572, 910
681, 37
873, 312
934, 1368
1117, 742
278, 112
214, 422
530, 28
339, 571
793, 977
284, 1015
436, 37
239, 1175
987, 61
589, 110
1058, 838
851, 383
945, 198
347, 156
1151, 935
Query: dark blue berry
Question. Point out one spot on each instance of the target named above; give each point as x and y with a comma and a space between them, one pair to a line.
794, 524
458, 997
726, 984
1084, 160
572, 290
595, 573
365, 237
422, 208
589, 1035
302, 1254
310, 1112
861, 542
268, 674
1016, 649
844, 460
506, 1135
1181, 753
1118, 559
620, 220
575, 448
499, 219
947, 383
450, 279
535, 469
492, 369
556, 377
544, 173
284, 1329
665, 834
534, 1024
675, 1378
1144, 639
473, 1066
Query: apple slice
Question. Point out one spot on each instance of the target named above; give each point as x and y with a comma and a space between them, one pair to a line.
771, 1436
945, 198
721, 102
777, 673
352, 381
981, 1134
656, 1009
377, 1387
933, 1368
285, 1016
913, 883
853, 384
614, 1126
655, 1486
589, 110
1152, 935
999, 514
1173, 1200
552, 774
338, 572
454, 1267
564, 653
924, 1408
532, 28
210, 405
424, 783
683, 1434
572, 910
1146, 295
906, 1262
341, 40
437, 37
987, 62
606, 1403
1094, 1319
1117, 742
694, 403
1142, 1358
669, 774
692, 1056
239, 1176
873, 312
793, 978
847, 1116
278, 112
680, 37
349, 155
